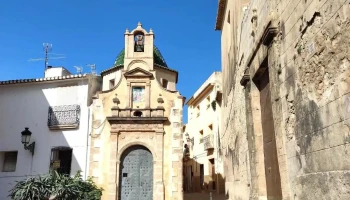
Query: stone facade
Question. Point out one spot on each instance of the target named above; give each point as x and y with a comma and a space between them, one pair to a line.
154, 121
203, 159
286, 87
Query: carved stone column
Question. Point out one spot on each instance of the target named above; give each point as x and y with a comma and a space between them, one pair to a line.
113, 171
158, 190
129, 95
117, 179
148, 95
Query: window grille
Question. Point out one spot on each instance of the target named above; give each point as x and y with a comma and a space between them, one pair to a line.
64, 115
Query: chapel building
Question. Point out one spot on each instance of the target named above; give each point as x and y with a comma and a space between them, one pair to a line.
136, 138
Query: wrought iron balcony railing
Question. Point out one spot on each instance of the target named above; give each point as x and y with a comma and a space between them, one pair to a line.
208, 142
62, 117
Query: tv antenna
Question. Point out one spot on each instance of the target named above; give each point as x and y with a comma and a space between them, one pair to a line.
79, 69
92, 68
47, 48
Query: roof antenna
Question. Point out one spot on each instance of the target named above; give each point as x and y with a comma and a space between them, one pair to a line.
79, 69
93, 68
47, 48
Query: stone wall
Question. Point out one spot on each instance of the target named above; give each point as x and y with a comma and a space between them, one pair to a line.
176, 178
109, 139
309, 68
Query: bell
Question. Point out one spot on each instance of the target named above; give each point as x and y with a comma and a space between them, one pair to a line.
139, 48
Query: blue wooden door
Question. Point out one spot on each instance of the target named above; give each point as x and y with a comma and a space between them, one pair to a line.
136, 174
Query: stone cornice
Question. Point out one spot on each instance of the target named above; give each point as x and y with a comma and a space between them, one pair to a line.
138, 73
220, 14
266, 37
121, 120
245, 78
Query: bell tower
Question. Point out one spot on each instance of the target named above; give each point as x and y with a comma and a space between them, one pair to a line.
139, 49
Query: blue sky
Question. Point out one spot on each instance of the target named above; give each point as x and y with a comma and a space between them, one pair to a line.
92, 31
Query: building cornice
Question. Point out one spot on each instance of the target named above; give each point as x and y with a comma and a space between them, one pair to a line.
115, 68
111, 69
220, 14
193, 100
121, 120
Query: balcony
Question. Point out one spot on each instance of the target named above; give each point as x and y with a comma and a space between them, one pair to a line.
63, 117
127, 114
208, 142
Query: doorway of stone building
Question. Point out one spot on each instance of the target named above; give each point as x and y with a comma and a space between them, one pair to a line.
61, 160
201, 175
136, 174
272, 174
212, 174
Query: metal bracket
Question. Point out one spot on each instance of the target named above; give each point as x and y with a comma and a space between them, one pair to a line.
30, 147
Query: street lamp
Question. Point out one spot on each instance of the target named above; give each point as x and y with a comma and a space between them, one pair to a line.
187, 137
25, 140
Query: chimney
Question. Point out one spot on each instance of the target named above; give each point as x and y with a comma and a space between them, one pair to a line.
56, 71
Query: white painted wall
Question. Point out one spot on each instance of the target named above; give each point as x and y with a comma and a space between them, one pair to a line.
56, 71
207, 117
26, 105
116, 76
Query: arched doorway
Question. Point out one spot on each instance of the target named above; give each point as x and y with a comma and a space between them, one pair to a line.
136, 174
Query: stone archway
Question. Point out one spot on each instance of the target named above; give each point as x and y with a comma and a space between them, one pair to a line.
136, 174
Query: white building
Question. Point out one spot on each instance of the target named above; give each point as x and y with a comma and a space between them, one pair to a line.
203, 166
56, 109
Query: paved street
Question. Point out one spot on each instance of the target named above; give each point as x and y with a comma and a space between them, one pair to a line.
203, 196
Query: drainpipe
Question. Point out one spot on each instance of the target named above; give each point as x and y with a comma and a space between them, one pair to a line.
87, 144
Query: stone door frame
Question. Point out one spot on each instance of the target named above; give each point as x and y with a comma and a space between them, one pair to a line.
150, 136
122, 159
266, 48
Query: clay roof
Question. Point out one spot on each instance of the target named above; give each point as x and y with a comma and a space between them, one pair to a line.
157, 56
37, 80
220, 14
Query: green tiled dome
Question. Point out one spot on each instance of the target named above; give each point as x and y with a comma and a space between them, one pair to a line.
157, 56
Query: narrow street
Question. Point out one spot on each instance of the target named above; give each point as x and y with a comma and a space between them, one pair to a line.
203, 196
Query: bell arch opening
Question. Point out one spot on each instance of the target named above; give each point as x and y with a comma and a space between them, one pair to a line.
136, 173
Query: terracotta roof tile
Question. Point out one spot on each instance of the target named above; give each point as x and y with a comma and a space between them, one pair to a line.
35, 80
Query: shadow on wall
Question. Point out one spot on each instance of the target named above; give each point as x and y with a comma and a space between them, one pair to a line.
27, 105
194, 182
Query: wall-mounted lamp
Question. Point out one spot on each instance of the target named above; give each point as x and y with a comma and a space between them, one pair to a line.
187, 137
26, 134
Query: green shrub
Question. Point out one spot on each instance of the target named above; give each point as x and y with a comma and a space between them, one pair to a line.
55, 186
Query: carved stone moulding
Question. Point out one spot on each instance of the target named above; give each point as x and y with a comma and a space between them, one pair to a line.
138, 113
245, 78
137, 120
269, 33
136, 125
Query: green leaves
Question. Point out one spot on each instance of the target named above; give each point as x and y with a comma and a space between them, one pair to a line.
213, 105
55, 186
